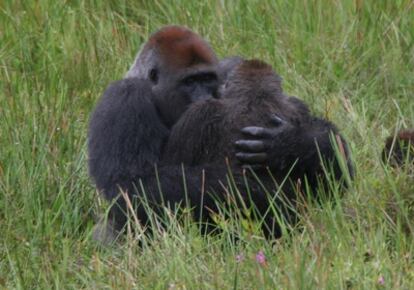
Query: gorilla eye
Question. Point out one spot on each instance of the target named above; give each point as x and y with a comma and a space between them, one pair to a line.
153, 75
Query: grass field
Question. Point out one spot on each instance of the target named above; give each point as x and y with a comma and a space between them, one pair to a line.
352, 61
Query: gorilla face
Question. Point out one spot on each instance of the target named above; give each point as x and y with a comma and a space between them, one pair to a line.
181, 68
174, 92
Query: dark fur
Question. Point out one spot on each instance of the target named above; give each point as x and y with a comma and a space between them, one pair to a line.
131, 123
206, 132
400, 148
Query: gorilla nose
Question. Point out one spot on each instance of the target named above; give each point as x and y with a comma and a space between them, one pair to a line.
202, 97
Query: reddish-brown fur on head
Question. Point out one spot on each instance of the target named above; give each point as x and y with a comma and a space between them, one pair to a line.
180, 47
404, 136
407, 135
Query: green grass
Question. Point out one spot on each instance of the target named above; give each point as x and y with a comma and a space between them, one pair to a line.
351, 61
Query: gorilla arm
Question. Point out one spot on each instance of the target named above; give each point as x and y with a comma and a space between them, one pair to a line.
125, 136
299, 149
195, 138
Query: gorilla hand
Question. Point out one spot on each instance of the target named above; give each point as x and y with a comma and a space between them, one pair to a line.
265, 146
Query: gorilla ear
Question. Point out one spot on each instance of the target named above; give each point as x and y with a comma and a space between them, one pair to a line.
153, 76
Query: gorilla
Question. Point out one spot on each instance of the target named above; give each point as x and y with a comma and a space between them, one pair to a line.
131, 123
130, 128
399, 148
292, 147
253, 94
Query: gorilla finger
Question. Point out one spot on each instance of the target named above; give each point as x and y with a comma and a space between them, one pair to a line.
257, 131
250, 145
277, 120
251, 158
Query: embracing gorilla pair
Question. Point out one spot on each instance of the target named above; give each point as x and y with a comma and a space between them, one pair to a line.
179, 105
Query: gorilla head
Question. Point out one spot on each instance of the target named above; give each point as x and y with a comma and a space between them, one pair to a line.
181, 68
400, 148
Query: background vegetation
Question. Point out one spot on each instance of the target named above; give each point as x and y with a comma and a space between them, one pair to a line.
352, 61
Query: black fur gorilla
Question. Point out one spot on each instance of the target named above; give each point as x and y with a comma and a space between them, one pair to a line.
294, 144
132, 121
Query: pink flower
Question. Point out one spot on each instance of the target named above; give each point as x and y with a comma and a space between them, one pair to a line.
239, 258
260, 258
381, 280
